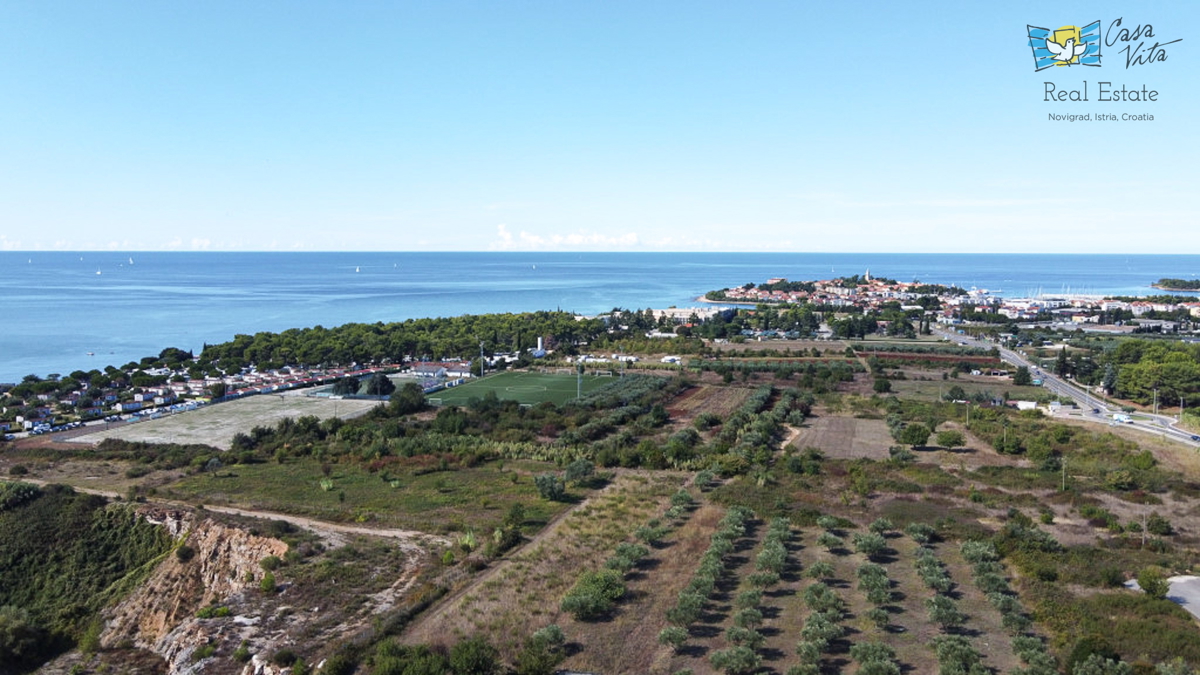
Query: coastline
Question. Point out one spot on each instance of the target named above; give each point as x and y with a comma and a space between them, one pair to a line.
1175, 290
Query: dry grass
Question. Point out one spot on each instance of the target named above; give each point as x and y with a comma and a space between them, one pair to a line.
215, 425
521, 593
628, 643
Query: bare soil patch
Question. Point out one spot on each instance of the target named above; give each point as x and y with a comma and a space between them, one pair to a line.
846, 437
216, 425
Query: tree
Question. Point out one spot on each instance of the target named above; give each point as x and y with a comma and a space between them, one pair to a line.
407, 400
1022, 377
950, 439
1095, 664
914, 435
882, 385
380, 385
579, 471
550, 486
944, 612
736, 660
870, 544
674, 636
346, 386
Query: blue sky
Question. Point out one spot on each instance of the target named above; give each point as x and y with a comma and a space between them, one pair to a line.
676, 126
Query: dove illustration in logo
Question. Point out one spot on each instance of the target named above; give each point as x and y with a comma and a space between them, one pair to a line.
1065, 52
1065, 46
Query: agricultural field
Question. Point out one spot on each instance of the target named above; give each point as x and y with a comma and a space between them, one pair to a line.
216, 425
524, 387
522, 592
826, 348
704, 398
845, 437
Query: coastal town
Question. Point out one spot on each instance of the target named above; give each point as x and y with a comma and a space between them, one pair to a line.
170, 383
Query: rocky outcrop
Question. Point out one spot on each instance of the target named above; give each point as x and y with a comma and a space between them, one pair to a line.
160, 616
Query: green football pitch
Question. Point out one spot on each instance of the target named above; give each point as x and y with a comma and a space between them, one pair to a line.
528, 388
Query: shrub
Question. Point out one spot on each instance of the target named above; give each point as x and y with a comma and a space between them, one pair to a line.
185, 553
267, 585
474, 655
242, 655
270, 563
1153, 583
594, 594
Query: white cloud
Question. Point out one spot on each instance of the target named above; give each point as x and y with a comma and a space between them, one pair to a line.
7, 244
505, 242
578, 240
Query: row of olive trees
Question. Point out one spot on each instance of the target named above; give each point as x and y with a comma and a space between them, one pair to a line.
743, 636
989, 576
691, 600
596, 592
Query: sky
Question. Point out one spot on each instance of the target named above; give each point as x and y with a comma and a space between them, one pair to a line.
590, 126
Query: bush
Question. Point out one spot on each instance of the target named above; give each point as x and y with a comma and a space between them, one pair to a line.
474, 656
1153, 583
185, 553
267, 585
242, 655
594, 594
270, 563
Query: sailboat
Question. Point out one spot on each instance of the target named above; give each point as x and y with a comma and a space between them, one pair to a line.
357, 270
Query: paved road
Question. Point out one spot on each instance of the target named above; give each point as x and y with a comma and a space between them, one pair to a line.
1093, 409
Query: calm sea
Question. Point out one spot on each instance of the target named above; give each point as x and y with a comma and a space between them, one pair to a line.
58, 307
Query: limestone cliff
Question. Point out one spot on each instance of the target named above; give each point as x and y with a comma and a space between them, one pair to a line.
160, 615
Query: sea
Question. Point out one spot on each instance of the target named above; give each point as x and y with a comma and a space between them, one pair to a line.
64, 311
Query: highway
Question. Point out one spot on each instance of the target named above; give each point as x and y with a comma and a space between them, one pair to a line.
1092, 408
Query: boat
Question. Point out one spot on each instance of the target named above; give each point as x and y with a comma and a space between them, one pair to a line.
357, 270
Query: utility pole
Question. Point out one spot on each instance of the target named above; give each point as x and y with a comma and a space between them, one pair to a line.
1064, 474
1156, 400
481, 361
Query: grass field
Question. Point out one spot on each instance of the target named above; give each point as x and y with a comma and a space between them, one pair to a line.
523, 387
444, 501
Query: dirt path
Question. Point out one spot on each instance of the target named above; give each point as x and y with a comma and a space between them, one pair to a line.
332, 533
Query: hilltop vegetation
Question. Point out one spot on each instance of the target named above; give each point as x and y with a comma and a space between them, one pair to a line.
63, 556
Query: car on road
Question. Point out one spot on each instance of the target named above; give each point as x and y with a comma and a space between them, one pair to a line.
1195, 437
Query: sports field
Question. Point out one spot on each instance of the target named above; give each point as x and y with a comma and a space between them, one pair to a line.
523, 387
